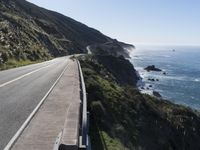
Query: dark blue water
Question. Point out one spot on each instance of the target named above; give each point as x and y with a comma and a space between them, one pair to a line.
182, 82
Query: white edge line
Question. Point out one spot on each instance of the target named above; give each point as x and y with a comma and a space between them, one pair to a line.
24, 75
24, 125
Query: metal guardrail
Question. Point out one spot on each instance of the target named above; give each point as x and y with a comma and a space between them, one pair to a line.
84, 139
84, 142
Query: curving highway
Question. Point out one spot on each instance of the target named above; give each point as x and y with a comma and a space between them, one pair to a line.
21, 89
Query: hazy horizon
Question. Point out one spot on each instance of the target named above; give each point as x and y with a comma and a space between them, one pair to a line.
157, 22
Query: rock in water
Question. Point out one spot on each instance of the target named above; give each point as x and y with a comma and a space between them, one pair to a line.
152, 68
157, 94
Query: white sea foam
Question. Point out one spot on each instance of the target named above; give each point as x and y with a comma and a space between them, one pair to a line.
166, 77
150, 92
166, 56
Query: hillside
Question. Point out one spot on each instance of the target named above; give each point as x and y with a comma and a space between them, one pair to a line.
114, 48
123, 118
31, 33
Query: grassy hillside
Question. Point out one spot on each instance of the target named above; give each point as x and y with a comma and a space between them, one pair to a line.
121, 118
29, 33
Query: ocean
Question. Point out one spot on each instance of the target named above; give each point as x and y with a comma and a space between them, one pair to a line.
181, 84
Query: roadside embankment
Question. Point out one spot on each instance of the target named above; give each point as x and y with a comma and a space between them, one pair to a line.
123, 118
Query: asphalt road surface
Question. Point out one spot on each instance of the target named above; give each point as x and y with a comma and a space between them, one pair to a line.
21, 89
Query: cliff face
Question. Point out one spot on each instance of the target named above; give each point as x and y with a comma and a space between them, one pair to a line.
123, 118
122, 70
114, 48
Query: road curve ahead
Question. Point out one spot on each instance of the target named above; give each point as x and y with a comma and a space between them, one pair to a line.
21, 89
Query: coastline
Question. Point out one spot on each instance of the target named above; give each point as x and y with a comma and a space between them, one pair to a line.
180, 83
145, 88
152, 122
141, 85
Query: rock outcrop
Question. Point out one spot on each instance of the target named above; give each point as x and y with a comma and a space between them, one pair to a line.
152, 68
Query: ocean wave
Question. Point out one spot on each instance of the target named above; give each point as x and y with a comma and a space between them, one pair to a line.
180, 78
139, 68
192, 97
149, 92
197, 80
168, 77
166, 56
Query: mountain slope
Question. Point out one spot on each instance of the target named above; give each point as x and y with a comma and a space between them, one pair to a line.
29, 32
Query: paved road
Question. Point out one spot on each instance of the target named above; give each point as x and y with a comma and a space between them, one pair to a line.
59, 113
21, 89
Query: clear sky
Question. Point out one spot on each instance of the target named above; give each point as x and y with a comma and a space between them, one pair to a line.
136, 21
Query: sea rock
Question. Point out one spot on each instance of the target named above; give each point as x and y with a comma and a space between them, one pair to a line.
152, 68
151, 79
157, 94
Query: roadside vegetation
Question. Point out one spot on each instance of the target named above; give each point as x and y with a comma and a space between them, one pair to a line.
121, 118
12, 63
